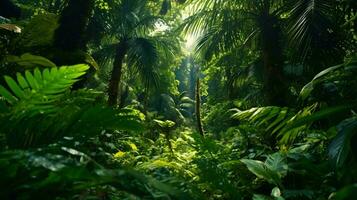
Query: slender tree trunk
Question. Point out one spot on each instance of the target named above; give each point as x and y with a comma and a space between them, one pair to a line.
123, 96
146, 100
229, 84
114, 83
198, 107
167, 137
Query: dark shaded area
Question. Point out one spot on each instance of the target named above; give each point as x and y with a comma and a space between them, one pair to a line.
9, 10
71, 34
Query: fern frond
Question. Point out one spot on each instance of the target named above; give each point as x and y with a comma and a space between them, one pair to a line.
37, 91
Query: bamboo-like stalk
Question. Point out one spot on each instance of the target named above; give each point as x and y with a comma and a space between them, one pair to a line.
198, 107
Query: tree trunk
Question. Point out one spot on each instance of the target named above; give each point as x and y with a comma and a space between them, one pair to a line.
9, 10
114, 83
275, 86
198, 107
71, 34
123, 96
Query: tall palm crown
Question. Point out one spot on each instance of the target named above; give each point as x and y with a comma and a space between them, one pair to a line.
129, 27
230, 26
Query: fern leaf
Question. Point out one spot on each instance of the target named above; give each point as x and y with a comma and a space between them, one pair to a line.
22, 81
14, 87
35, 91
7, 95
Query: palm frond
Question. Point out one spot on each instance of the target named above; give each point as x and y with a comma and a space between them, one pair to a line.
143, 57
311, 30
278, 121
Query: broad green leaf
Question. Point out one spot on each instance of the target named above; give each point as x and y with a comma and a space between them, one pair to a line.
262, 171
29, 60
272, 170
277, 162
275, 192
165, 124
340, 147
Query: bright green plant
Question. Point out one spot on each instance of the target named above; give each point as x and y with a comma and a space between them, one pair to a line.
41, 108
272, 170
39, 91
166, 127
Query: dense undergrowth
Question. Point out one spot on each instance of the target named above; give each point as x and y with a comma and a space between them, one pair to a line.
112, 106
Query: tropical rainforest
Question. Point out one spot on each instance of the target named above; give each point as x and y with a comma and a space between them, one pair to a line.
178, 99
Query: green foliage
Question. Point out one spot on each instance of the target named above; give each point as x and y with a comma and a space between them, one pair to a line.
333, 83
273, 129
273, 169
277, 120
41, 109
165, 124
61, 122
39, 32
218, 119
39, 173
348, 192
340, 147
29, 60
33, 93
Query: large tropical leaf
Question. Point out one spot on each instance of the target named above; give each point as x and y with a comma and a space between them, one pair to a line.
340, 147
29, 60
272, 170
342, 76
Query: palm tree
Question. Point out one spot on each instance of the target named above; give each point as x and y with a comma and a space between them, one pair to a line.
234, 24
130, 41
229, 27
